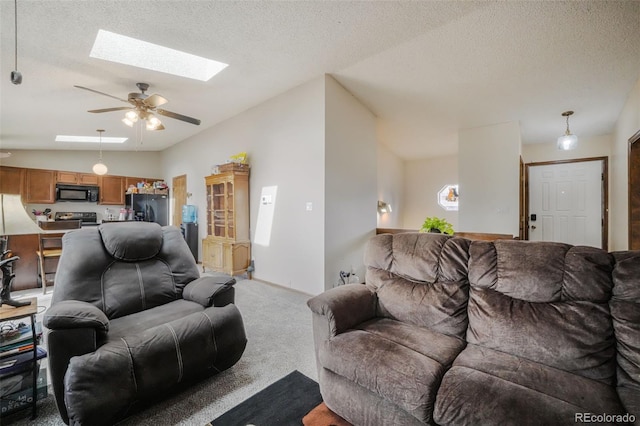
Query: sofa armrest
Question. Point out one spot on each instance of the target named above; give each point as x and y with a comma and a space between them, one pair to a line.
75, 314
210, 291
344, 307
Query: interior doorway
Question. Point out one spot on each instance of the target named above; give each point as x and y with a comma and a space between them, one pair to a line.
179, 185
634, 192
567, 201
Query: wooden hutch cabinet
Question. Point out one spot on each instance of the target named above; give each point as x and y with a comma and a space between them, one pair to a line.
227, 247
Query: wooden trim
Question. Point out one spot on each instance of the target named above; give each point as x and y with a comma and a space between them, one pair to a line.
394, 231
605, 192
631, 191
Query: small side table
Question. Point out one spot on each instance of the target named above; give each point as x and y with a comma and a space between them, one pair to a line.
9, 313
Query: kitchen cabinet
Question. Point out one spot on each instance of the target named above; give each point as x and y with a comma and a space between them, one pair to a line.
227, 246
12, 180
111, 189
40, 187
75, 178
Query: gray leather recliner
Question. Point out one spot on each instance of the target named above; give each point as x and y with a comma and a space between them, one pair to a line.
132, 319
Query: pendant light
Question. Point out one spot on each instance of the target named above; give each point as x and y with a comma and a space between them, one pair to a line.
100, 168
567, 141
16, 76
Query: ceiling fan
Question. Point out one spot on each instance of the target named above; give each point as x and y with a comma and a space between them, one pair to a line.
143, 108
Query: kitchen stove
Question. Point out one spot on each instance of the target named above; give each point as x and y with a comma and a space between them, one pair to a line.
86, 218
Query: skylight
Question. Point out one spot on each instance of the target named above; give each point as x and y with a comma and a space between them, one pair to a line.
130, 51
91, 139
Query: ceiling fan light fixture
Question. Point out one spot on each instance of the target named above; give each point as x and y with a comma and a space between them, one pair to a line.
128, 122
153, 122
568, 141
132, 116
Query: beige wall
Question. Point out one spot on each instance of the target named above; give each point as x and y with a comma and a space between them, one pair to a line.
597, 146
423, 179
390, 187
350, 175
627, 125
489, 170
284, 139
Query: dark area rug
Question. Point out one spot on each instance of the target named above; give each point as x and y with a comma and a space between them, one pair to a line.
284, 402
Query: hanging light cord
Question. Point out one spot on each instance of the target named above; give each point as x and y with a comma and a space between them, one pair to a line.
568, 132
16, 27
100, 145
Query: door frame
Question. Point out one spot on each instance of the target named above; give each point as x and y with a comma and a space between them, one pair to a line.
605, 193
630, 190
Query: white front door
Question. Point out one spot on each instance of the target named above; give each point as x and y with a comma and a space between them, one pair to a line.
565, 203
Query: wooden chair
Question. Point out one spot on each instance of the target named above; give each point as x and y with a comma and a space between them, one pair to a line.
50, 248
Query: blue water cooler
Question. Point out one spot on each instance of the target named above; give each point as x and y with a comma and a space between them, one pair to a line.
189, 228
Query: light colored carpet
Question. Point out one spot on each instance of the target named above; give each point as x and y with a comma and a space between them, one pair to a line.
279, 333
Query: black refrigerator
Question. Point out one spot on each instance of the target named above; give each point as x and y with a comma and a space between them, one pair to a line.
149, 207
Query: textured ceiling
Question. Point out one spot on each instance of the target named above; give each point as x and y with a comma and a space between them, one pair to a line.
426, 69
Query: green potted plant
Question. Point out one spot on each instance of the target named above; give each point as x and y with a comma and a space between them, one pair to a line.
436, 224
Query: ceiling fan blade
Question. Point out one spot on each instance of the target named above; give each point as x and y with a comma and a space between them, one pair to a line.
178, 116
101, 93
154, 101
109, 109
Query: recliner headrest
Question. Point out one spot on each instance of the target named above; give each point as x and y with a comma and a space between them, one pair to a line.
132, 241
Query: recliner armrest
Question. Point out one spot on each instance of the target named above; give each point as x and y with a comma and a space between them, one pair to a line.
210, 291
75, 314
344, 307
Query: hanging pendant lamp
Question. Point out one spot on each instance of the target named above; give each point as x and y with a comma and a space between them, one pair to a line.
100, 168
567, 141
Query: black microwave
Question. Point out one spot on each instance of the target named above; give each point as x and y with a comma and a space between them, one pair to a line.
77, 193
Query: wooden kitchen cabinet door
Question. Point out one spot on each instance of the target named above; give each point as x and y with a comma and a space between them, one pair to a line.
40, 186
112, 190
12, 180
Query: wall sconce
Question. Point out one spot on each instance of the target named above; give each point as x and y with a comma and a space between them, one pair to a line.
384, 207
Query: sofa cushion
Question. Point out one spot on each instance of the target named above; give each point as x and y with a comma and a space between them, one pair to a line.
625, 310
100, 386
401, 362
487, 387
132, 241
140, 321
420, 279
87, 272
546, 302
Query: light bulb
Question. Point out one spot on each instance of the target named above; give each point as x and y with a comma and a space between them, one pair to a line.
100, 168
153, 123
567, 142
127, 122
132, 116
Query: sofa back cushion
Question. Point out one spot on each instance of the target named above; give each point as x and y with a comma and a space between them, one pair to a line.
625, 309
420, 279
123, 268
546, 302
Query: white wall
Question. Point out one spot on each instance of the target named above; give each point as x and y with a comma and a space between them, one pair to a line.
350, 181
423, 179
489, 171
627, 125
390, 187
284, 139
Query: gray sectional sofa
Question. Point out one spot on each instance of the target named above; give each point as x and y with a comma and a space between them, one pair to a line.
456, 332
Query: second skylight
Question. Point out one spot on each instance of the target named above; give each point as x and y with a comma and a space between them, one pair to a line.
130, 51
